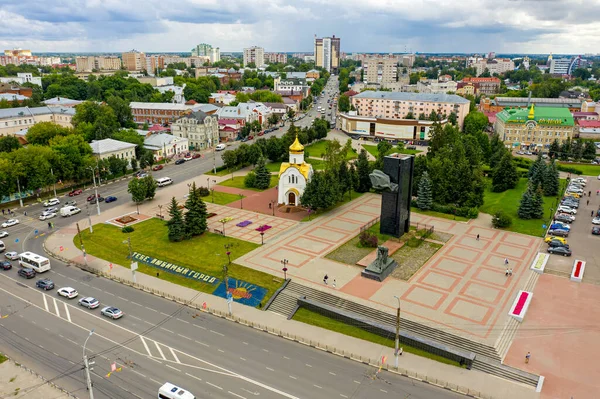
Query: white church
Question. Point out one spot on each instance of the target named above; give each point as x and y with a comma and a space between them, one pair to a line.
293, 176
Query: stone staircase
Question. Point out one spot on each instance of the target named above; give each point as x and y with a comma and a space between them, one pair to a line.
488, 358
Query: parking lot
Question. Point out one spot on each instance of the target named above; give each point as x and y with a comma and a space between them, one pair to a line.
581, 241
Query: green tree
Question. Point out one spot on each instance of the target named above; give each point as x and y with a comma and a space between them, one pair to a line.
195, 217
117, 166
538, 204
150, 185
554, 150
537, 171
320, 192
551, 182
9, 143
505, 175
589, 150
452, 118
230, 159
122, 111
131, 136
425, 196
501, 220
176, 225
273, 119
41, 133
419, 168
263, 176
497, 150
344, 178
344, 103
409, 115
274, 149
363, 171
250, 180
422, 117
137, 189
383, 149
475, 122
72, 156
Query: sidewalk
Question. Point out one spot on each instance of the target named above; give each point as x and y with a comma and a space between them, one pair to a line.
16, 381
473, 382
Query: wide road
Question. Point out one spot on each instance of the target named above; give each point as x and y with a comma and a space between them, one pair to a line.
158, 340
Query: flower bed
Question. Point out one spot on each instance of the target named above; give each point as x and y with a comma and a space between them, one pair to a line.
244, 223
126, 219
520, 305
264, 227
539, 263
578, 270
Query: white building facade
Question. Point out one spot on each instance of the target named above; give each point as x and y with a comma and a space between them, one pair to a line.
200, 129
104, 149
293, 176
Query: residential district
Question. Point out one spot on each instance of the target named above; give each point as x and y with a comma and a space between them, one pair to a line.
301, 225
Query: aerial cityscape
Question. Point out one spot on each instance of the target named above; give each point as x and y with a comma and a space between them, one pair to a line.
299, 200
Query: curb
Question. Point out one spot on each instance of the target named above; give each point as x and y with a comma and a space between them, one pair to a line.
41, 377
313, 344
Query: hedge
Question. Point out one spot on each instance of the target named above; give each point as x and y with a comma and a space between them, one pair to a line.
464, 211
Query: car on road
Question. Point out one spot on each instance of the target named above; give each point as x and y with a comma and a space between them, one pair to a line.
558, 232
556, 243
250, 137
560, 251
75, 192
188, 157
99, 199
26, 272
220, 147
110, 198
10, 222
112, 312
196, 155
596, 231
91, 197
71, 203
47, 215
141, 175
68, 292
550, 238
157, 167
180, 161
52, 202
5, 265
563, 219
596, 220
50, 210
12, 255
567, 209
3, 234
261, 133
89, 302
45, 284
244, 139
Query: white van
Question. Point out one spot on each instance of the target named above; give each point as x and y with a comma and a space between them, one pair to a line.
164, 181
67, 211
34, 261
220, 147
170, 391
2, 247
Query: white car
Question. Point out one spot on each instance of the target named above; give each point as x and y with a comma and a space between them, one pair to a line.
220, 147
52, 202
596, 220
10, 222
89, 302
47, 215
3, 234
566, 209
68, 292
12, 255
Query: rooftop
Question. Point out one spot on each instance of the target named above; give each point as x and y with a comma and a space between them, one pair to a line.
105, 146
539, 102
584, 123
12, 97
159, 140
403, 96
8, 113
542, 115
62, 101
165, 106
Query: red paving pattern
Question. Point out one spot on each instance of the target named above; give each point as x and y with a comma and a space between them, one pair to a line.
562, 331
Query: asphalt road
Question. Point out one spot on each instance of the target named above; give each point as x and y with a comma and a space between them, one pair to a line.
158, 340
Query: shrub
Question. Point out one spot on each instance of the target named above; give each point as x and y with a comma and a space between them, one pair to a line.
368, 239
568, 169
414, 242
127, 229
203, 191
501, 220
250, 180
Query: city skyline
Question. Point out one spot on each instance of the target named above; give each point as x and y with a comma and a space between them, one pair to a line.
366, 26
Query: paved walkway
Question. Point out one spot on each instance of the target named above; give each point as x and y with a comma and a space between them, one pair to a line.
14, 380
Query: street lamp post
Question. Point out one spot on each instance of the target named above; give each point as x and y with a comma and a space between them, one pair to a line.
95, 188
241, 201
81, 243
397, 342
212, 190
87, 209
208, 182
273, 203
19, 189
87, 365
284, 262
53, 182
262, 235
132, 263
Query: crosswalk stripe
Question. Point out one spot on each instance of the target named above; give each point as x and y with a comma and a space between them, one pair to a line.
174, 355
68, 313
146, 346
160, 350
45, 303
56, 307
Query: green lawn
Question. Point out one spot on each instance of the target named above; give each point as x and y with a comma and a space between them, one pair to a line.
223, 171
221, 198
509, 202
2, 358
316, 150
238, 182
205, 253
320, 212
439, 214
586, 169
317, 164
316, 319
372, 149
273, 166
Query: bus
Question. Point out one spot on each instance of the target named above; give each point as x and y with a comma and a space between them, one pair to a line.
170, 391
34, 261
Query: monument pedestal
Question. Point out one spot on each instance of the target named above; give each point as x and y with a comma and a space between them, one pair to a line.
378, 272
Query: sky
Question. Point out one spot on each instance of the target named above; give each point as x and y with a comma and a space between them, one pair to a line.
450, 26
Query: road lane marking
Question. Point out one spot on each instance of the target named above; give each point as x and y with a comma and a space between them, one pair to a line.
307, 365
171, 367
195, 325
193, 376
202, 343
154, 310
292, 377
358, 382
213, 385
153, 380
221, 350
45, 302
317, 386
235, 394
56, 307
183, 321
146, 346
270, 369
218, 333
86, 284
183, 336
266, 350
96, 288
135, 303
343, 396
241, 358
124, 299
332, 373
68, 313
285, 357
383, 391
135, 317
137, 372
160, 351
165, 314
174, 355
70, 278
46, 328
162, 328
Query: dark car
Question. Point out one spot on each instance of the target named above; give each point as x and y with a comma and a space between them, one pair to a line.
91, 197
180, 161
560, 251
558, 233
26, 272
596, 231
110, 198
5, 265
75, 192
196, 156
557, 243
157, 167
562, 218
99, 199
250, 137
45, 284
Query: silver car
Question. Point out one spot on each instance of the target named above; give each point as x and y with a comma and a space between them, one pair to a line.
89, 302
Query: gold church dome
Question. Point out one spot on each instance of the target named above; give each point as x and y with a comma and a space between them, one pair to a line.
296, 147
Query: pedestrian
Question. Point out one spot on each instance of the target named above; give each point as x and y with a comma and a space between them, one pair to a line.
477, 237
8, 210
25, 213
325, 279
49, 225
588, 202
271, 205
506, 261
598, 192
334, 283
506, 272
510, 272
527, 357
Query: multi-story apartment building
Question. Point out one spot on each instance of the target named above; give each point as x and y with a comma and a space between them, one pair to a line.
254, 54
22, 77
534, 127
392, 105
497, 65
436, 87
564, 66
13, 120
134, 60
90, 63
20, 56
164, 113
153, 63
201, 129
327, 53
18, 52
481, 85
206, 50
380, 70
276, 57
194, 61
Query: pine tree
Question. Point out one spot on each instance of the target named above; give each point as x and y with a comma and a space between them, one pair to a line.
554, 149
526, 207
505, 175
195, 218
344, 178
263, 176
425, 196
538, 204
363, 170
537, 171
175, 225
551, 183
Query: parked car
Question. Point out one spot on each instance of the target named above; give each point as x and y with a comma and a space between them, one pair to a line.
596, 220
550, 238
5, 265
566, 209
51, 202
12, 255
71, 203
75, 192
560, 225
560, 251
10, 222
596, 231
556, 243
50, 210
26, 272
112, 312
196, 155
188, 157
261, 133
563, 219
220, 147
244, 139
157, 167
558, 232
250, 137
47, 215
3, 234
45, 284
68, 292
89, 302
99, 199
179, 161
110, 198
142, 175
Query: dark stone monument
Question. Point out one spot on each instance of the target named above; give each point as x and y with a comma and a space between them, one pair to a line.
381, 267
396, 184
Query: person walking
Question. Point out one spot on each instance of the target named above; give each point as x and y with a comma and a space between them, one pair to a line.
325, 279
590, 193
592, 214
506, 261
588, 202
506, 272
527, 357
477, 237
510, 272
3, 212
334, 284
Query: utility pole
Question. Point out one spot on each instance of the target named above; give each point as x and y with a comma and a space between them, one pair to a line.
88, 367
226, 278
19, 188
81, 243
133, 264
397, 343
95, 189
53, 182
87, 209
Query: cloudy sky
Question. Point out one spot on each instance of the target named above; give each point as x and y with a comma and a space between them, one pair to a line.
525, 26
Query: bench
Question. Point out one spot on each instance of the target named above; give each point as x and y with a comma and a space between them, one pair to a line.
520, 305
539, 263
578, 270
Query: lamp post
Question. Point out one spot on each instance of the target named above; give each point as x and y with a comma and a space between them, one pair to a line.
273, 203
87, 209
95, 187
284, 262
212, 190
87, 365
397, 342
53, 182
241, 201
19, 189
160, 211
208, 182
262, 235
